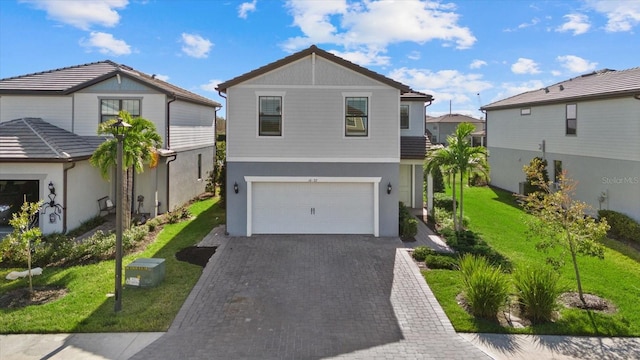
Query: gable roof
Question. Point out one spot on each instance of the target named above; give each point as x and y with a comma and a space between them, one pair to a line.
453, 118
68, 80
304, 53
33, 139
598, 84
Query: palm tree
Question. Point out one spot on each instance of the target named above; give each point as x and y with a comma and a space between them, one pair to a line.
459, 157
467, 158
139, 148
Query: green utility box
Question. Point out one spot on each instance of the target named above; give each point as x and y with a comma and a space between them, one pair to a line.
144, 272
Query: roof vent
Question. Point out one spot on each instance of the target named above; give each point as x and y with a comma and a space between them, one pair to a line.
561, 87
546, 90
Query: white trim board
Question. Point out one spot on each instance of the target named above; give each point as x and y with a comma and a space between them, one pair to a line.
311, 160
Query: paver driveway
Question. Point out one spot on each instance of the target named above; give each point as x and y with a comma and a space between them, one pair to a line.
310, 297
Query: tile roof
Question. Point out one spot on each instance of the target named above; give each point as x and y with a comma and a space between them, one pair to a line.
416, 96
70, 79
33, 139
597, 84
453, 118
413, 147
319, 52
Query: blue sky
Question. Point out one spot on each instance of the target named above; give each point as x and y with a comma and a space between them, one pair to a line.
467, 53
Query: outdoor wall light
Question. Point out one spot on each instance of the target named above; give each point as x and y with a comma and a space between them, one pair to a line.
389, 188
235, 188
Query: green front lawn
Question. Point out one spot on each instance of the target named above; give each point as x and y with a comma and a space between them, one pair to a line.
496, 217
86, 307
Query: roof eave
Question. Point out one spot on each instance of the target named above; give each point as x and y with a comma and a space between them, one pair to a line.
610, 95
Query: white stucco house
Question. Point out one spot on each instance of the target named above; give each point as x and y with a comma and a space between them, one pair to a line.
317, 144
588, 125
48, 124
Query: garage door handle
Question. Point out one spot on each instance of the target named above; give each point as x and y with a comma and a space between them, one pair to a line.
313, 211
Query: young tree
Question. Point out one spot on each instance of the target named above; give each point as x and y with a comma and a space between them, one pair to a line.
24, 236
561, 221
443, 158
139, 148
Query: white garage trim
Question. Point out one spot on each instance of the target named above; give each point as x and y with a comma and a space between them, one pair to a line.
310, 179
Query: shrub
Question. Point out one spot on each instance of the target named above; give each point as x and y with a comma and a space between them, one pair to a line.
485, 287
537, 289
153, 224
443, 201
421, 252
408, 224
469, 242
478, 180
438, 180
441, 261
622, 226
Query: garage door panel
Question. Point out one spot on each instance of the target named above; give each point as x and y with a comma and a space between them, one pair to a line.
312, 208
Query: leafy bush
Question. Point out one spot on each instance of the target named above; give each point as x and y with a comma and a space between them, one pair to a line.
177, 215
469, 242
153, 224
408, 224
529, 187
537, 290
421, 252
438, 180
485, 287
443, 201
478, 180
441, 261
622, 226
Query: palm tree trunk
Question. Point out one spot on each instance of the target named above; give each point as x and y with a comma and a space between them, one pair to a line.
455, 213
460, 222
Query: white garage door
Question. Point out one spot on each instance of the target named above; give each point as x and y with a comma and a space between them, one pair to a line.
312, 208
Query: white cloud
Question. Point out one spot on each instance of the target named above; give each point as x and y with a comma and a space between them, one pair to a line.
245, 8
364, 57
195, 45
525, 66
509, 89
162, 77
375, 24
106, 44
211, 85
477, 64
622, 15
556, 72
80, 13
578, 23
414, 55
576, 64
444, 85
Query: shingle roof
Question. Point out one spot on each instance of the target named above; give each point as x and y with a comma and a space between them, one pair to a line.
453, 118
597, 84
416, 96
33, 139
70, 79
413, 147
319, 52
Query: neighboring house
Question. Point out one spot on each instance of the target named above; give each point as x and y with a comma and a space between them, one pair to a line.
442, 126
588, 125
48, 131
315, 145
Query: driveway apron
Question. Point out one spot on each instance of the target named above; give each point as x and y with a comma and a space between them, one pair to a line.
310, 297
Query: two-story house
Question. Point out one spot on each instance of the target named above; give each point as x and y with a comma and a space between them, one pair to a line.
314, 147
441, 127
48, 125
588, 125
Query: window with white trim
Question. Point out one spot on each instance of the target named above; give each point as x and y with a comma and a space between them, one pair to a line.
270, 116
109, 108
572, 119
404, 116
356, 116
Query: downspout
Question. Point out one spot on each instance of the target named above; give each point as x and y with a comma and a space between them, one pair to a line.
168, 145
226, 145
64, 198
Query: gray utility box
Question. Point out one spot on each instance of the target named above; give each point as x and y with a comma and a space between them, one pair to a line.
144, 272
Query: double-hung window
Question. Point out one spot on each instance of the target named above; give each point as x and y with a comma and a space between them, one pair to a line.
404, 116
356, 116
270, 116
109, 108
572, 119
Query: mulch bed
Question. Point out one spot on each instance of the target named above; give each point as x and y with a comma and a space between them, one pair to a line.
41, 295
197, 255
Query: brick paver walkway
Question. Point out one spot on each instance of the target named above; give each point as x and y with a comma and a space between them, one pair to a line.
311, 297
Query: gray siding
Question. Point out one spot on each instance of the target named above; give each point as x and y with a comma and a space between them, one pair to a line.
191, 125
619, 179
416, 119
185, 184
237, 203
